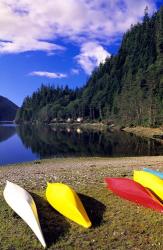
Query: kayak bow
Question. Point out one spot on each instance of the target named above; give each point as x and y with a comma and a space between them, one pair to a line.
66, 201
133, 191
23, 204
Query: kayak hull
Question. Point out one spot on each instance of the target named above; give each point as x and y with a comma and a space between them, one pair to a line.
23, 204
66, 201
157, 173
134, 192
150, 181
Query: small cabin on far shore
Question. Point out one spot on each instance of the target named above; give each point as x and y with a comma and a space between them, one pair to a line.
79, 119
69, 120
54, 120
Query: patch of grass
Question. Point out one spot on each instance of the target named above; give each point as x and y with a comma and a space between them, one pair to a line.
117, 224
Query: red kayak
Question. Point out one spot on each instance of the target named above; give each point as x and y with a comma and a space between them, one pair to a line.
133, 191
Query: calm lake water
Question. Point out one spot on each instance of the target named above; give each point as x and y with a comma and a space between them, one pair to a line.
27, 143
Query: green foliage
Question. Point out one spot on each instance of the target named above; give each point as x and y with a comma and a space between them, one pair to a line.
127, 88
46, 104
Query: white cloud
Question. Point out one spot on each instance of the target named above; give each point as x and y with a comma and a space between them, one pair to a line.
20, 45
28, 25
48, 74
92, 54
75, 71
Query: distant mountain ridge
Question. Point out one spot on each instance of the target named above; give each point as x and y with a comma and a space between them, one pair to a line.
8, 109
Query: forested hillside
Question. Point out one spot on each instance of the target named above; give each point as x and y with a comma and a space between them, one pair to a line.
127, 88
7, 109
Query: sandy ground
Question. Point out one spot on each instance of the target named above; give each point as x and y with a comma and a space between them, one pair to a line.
75, 170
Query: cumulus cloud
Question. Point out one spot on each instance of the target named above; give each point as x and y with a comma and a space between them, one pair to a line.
39, 25
92, 54
32, 25
48, 74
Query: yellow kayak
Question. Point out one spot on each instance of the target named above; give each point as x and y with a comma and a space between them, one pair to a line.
66, 201
150, 181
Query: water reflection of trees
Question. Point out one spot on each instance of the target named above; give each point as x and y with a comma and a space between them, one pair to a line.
48, 142
6, 132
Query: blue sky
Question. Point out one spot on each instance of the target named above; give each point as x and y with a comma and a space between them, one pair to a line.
60, 42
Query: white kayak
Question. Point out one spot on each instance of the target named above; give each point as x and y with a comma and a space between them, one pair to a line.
23, 204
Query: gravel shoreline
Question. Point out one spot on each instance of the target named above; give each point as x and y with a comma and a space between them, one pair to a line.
75, 170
